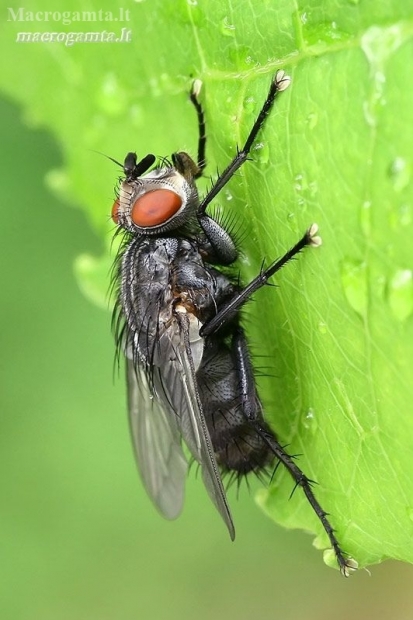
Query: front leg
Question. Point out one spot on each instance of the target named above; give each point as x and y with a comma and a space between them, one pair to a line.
279, 83
219, 247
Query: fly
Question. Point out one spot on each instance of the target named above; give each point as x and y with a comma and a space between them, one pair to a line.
177, 321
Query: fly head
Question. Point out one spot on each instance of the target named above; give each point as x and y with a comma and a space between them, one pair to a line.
162, 200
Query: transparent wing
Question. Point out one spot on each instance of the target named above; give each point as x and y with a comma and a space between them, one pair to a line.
157, 444
175, 383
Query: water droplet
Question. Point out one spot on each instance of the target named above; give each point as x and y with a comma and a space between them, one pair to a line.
400, 294
308, 188
192, 2
369, 114
399, 172
312, 120
111, 97
154, 86
250, 105
365, 217
228, 195
369, 106
322, 34
405, 215
313, 188
262, 153
322, 327
227, 29
378, 44
291, 216
240, 56
309, 420
300, 182
304, 18
354, 281
401, 216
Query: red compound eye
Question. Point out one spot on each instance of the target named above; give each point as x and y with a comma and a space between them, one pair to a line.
115, 211
156, 207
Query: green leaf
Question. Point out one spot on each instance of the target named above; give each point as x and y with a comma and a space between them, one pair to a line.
337, 334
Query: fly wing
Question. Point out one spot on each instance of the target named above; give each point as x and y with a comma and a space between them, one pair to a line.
157, 443
175, 382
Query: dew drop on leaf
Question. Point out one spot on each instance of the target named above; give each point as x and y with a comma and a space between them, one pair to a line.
400, 216
227, 29
365, 217
322, 34
405, 215
400, 294
309, 420
312, 120
249, 105
261, 153
400, 173
354, 281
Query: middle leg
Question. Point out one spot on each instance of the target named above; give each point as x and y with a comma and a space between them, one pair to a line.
229, 310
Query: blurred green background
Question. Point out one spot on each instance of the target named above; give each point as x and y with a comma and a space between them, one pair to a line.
79, 538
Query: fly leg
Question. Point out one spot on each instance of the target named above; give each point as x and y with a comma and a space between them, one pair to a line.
251, 409
219, 246
222, 247
279, 83
193, 95
181, 161
230, 309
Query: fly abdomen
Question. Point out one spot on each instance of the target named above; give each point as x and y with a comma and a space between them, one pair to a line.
238, 447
